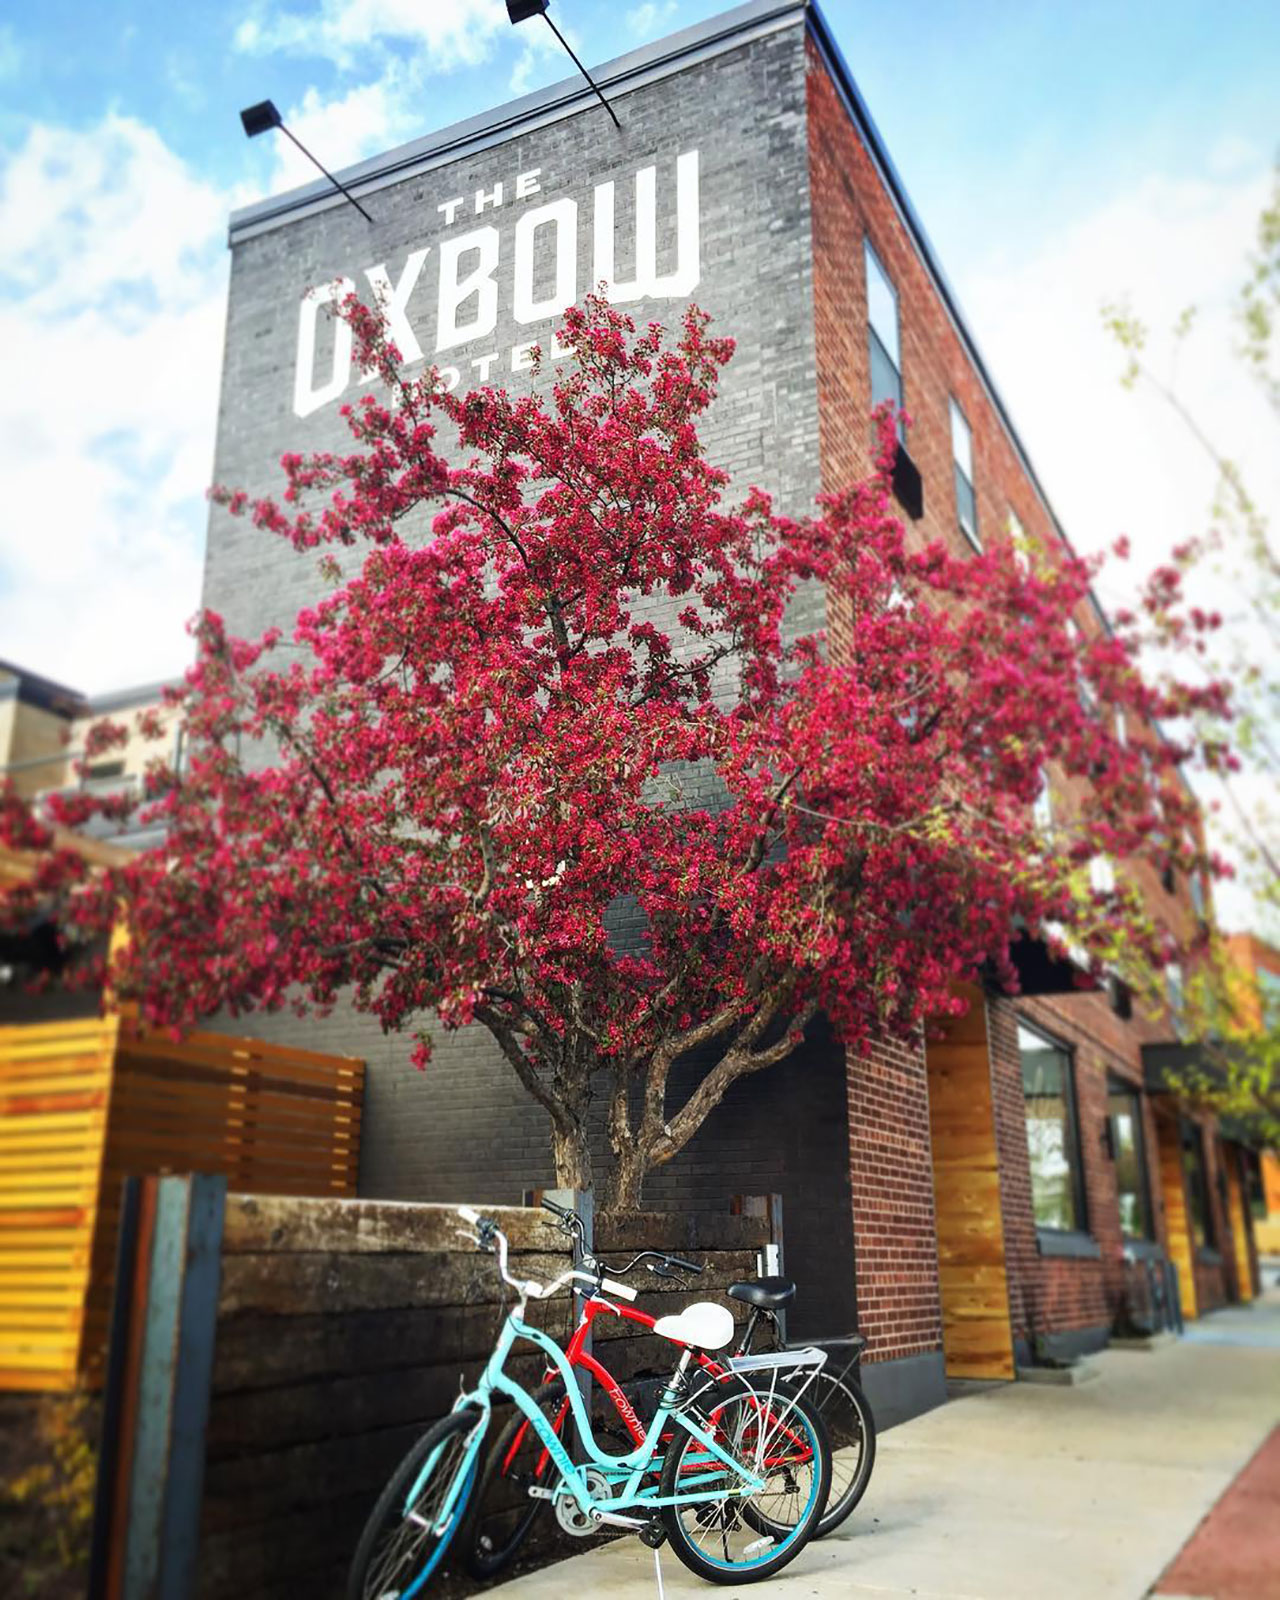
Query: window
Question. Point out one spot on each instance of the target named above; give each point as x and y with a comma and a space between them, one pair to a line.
1124, 1109
882, 334
1042, 811
962, 456
1254, 1190
104, 769
1057, 1188
1102, 875
1174, 990
1018, 539
1193, 1169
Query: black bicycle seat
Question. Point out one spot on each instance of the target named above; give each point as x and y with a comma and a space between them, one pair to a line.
766, 1294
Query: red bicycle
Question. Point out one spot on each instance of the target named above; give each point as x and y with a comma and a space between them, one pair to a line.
511, 1490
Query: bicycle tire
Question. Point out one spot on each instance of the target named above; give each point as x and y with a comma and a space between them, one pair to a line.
851, 1427
400, 1571
496, 1528
717, 1519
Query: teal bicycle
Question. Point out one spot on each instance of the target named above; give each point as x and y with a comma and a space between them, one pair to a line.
732, 1475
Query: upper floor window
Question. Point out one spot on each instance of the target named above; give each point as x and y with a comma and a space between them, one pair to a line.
1053, 1145
1042, 811
1124, 1108
962, 457
882, 335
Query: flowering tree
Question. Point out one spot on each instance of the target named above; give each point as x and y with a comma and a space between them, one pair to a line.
1237, 562
553, 761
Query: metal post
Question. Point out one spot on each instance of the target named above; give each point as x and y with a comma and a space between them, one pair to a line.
147, 1515
583, 1202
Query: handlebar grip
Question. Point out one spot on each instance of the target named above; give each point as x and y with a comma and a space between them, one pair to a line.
620, 1289
469, 1214
686, 1266
559, 1211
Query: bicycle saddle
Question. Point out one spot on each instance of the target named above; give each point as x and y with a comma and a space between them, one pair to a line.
703, 1324
766, 1294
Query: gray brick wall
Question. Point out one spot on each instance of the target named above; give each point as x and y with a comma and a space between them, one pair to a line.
465, 1128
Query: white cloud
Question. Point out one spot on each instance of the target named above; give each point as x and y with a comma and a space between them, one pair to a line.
451, 33
113, 259
11, 54
364, 121
645, 20
1114, 461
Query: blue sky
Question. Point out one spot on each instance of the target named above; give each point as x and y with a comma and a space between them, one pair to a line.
1057, 154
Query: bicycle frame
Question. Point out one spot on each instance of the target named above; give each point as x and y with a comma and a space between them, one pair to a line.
577, 1355
627, 1471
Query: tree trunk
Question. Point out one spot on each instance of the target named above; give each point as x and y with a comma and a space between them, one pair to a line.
627, 1180
572, 1156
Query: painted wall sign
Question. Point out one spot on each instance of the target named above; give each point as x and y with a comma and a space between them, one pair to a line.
531, 266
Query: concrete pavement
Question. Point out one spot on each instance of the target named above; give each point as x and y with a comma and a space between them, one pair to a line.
1023, 1491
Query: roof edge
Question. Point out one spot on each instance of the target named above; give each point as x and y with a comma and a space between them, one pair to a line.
724, 31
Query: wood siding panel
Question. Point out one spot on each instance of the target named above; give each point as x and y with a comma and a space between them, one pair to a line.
976, 1336
54, 1087
1177, 1223
85, 1104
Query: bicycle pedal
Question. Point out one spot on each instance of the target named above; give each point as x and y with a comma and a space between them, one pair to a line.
653, 1534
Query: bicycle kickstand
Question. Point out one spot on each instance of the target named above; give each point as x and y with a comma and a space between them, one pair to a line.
657, 1573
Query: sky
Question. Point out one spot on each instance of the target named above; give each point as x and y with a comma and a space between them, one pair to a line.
1058, 155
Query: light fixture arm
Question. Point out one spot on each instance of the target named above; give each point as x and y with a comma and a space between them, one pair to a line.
546, 15
336, 182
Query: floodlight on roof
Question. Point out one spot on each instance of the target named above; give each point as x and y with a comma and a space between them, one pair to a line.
264, 116
522, 10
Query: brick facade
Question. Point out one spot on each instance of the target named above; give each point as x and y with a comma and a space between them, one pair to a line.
891, 1179
791, 185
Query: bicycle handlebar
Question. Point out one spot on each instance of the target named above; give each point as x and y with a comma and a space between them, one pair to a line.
489, 1233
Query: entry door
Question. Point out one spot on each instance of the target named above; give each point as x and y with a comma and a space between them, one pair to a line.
977, 1339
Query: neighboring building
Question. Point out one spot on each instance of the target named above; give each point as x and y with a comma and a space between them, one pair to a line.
42, 753
1258, 965
1022, 1185
42, 742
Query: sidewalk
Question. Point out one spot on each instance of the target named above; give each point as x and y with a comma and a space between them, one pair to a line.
1025, 1491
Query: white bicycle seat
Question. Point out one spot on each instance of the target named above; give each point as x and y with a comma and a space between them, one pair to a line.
704, 1324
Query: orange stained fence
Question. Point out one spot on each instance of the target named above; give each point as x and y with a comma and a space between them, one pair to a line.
85, 1103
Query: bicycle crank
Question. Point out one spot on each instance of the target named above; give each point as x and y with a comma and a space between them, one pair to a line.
570, 1515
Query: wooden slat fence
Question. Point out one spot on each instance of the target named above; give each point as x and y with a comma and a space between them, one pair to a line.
83, 1104
55, 1085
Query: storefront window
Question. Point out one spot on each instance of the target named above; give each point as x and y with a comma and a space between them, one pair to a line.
1057, 1190
1193, 1168
1124, 1108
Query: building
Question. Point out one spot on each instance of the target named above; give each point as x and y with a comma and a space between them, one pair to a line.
1257, 965
42, 738
1016, 1189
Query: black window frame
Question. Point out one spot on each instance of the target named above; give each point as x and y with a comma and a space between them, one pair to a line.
1074, 1144
875, 344
1191, 1143
1118, 1087
960, 476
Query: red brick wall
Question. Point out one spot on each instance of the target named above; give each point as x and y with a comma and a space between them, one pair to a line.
891, 1177
849, 203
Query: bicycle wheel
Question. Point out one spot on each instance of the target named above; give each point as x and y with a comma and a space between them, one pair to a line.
399, 1550
502, 1511
503, 1514
732, 1536
851, 1429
